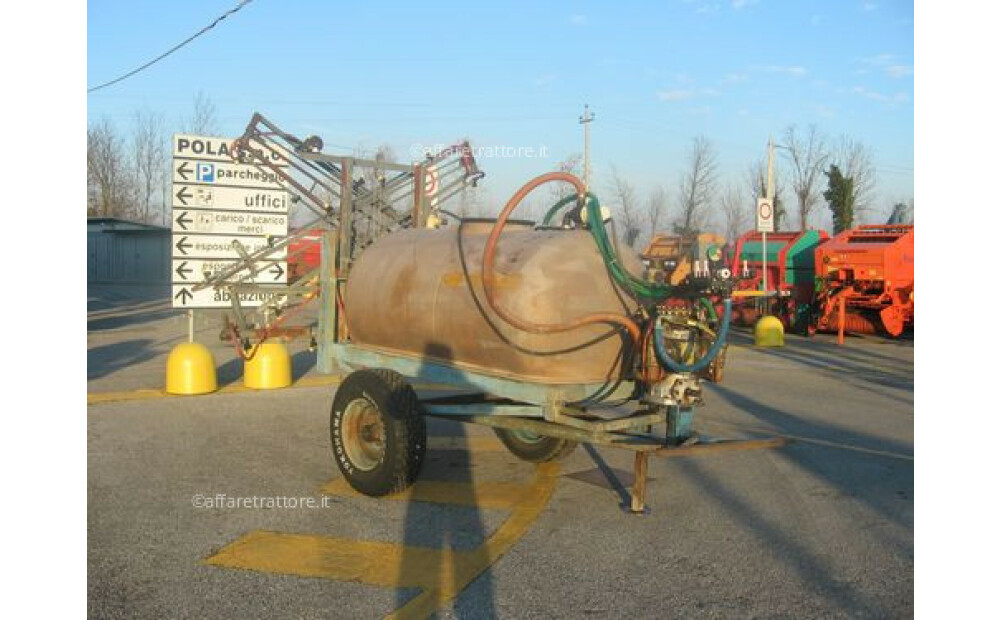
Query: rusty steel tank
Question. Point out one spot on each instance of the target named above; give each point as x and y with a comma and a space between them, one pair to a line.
419, 293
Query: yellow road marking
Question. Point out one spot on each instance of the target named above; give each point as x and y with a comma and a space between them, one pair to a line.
441, 574
513, 529
498, 495
472, 443
343, 559
94, 398
813, 440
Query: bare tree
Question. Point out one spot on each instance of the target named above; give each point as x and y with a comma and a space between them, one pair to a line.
571, 164
808, 155
149, 159
738, 211
204, 119
756, 180
856, 161
656, 210
624, 198
109, 185
470, 202
697, 188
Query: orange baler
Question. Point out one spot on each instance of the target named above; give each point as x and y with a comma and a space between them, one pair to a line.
870, 270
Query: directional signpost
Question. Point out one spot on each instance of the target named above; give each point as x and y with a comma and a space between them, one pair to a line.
221, 207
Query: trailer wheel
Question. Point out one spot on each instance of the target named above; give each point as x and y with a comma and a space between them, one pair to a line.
377, 432
528, 446
716, 366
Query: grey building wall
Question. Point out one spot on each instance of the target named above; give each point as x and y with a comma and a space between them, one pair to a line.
123, 254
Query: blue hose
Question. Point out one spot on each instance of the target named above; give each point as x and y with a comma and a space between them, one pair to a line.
720, 340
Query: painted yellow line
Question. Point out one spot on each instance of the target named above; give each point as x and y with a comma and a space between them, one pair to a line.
94, 398
441, 574
513, 529
343, 559
814, 440
497, 495
233, 388
471, 443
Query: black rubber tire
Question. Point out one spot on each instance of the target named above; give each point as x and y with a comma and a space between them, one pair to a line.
540, 451
405, 434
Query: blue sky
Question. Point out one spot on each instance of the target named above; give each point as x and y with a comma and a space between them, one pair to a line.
656, 74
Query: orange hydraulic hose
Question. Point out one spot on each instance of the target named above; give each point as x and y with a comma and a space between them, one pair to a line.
489, 277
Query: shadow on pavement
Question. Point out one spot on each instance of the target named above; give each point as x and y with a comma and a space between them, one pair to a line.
443, 527
883, 484
106, 359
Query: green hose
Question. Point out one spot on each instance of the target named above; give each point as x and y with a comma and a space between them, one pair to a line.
707, 305
559, 205
639, 288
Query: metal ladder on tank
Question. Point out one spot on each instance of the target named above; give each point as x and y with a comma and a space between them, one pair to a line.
356, 200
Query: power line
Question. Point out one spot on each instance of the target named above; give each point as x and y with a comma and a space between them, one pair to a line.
176, 47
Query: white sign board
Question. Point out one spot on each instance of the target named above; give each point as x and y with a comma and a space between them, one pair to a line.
197, 270
218, 201
216, 172
213, 148
184, 297
229, 198
230, 222
765, 215
219, 246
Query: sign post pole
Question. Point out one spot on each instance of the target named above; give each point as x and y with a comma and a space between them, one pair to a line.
770, 198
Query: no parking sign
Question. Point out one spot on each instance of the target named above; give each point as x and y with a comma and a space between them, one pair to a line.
765, 215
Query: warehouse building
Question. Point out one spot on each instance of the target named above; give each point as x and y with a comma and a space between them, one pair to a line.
126, 258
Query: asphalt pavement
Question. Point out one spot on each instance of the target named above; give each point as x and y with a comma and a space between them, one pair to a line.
191, 511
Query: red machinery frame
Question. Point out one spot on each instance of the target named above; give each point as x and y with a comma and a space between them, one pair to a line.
865, 276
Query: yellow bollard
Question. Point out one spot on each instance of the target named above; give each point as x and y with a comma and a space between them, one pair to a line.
769, 332
270, 367
190, 370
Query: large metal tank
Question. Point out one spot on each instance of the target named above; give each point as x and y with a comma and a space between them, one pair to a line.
419, 293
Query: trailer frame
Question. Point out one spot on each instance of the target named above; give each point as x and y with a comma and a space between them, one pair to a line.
559, 411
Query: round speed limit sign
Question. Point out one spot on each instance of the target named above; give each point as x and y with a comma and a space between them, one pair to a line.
765, 215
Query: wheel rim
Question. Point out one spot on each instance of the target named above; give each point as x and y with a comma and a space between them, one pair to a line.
364, 434
526, 436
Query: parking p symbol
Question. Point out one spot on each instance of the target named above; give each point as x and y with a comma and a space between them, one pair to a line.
205, 172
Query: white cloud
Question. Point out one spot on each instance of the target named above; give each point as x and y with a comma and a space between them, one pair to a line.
739, 4
899, 97
889, 64
869, 6
675, 95
735, 78
544, 80
793, 71
898, 71
578, 20
826, 111
685, 94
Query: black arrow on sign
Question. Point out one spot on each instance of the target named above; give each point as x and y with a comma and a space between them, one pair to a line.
183, 195
183, 171
181, 245
181, 220
280, 273
181, 270
185, 295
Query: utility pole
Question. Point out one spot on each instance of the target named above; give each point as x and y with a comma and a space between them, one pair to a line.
585, 121
770, 198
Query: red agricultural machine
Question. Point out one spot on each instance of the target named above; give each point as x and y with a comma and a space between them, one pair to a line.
865, 280
790, 276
